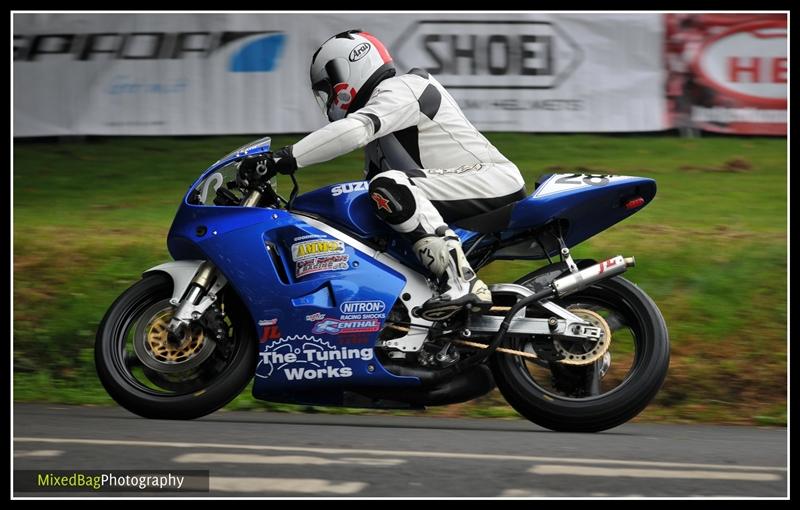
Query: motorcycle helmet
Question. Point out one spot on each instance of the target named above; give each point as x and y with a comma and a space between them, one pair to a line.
345, 71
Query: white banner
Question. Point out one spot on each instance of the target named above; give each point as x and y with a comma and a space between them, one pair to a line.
193, 74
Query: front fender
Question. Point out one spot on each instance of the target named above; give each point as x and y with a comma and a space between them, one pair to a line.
181, 272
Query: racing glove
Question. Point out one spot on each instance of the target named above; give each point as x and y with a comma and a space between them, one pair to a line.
260, 168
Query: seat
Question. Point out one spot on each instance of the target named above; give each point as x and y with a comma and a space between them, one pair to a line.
486, 223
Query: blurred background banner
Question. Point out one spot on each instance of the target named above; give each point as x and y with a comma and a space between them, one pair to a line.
192, 74
728, 72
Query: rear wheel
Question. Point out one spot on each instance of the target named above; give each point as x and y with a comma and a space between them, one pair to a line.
156, 376
607, 392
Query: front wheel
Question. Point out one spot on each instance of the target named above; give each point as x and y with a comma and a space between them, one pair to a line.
606, 392
155, 376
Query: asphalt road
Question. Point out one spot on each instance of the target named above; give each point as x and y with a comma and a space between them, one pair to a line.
279, 455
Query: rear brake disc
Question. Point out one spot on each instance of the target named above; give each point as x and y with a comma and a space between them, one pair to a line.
577, 352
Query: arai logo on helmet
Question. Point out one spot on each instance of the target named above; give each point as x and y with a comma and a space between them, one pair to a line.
359, 52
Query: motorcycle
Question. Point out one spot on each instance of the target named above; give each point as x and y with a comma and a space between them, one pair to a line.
319, 301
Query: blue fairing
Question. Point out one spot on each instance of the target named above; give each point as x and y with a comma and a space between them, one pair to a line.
319, 303
302, 288
346, 205
587, 210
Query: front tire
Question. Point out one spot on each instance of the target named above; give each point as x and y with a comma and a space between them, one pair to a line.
565, 401
194, 393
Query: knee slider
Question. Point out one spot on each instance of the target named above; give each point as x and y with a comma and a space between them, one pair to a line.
393, 202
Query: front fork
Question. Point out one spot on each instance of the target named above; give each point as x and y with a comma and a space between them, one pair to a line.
199, 295
202, 290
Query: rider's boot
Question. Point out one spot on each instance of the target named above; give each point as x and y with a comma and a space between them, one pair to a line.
459, 286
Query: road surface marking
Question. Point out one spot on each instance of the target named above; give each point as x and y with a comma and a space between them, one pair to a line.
393, 453
246, 458
293, 485
567, 470
38, 453
524, 493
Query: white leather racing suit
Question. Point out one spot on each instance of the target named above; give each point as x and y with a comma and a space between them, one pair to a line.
427, 164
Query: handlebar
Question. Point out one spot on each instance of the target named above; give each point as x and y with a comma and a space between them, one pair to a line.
257, 193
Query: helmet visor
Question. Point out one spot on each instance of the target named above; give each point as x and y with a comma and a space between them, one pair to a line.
323, 94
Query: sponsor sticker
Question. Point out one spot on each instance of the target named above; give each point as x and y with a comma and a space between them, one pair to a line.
319, 264
319, 255
306, 358
316, 248
373, 306
336, 326
269, 333
308, 236
314, 317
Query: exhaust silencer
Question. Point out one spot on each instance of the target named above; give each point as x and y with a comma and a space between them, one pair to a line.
585, 277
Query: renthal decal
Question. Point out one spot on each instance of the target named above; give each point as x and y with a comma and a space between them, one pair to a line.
300, 358
308, 249
349, 187
373, 306
314, 317
336, 326
319, 264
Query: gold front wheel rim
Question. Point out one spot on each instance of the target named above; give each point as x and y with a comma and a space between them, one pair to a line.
162, 350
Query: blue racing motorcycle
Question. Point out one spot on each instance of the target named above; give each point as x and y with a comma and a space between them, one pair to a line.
318, 301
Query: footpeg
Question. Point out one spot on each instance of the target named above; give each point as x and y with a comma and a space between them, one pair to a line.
437, 314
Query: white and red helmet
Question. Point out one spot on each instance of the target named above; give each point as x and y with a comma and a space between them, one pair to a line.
345, 71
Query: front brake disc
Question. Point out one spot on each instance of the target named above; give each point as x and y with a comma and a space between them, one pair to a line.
155, 349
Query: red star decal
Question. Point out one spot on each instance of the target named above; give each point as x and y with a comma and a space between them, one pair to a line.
381, 202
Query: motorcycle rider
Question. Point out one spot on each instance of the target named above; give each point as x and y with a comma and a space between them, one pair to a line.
426, 164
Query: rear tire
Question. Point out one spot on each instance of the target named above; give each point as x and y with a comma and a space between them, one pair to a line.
179, 402
602, 411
